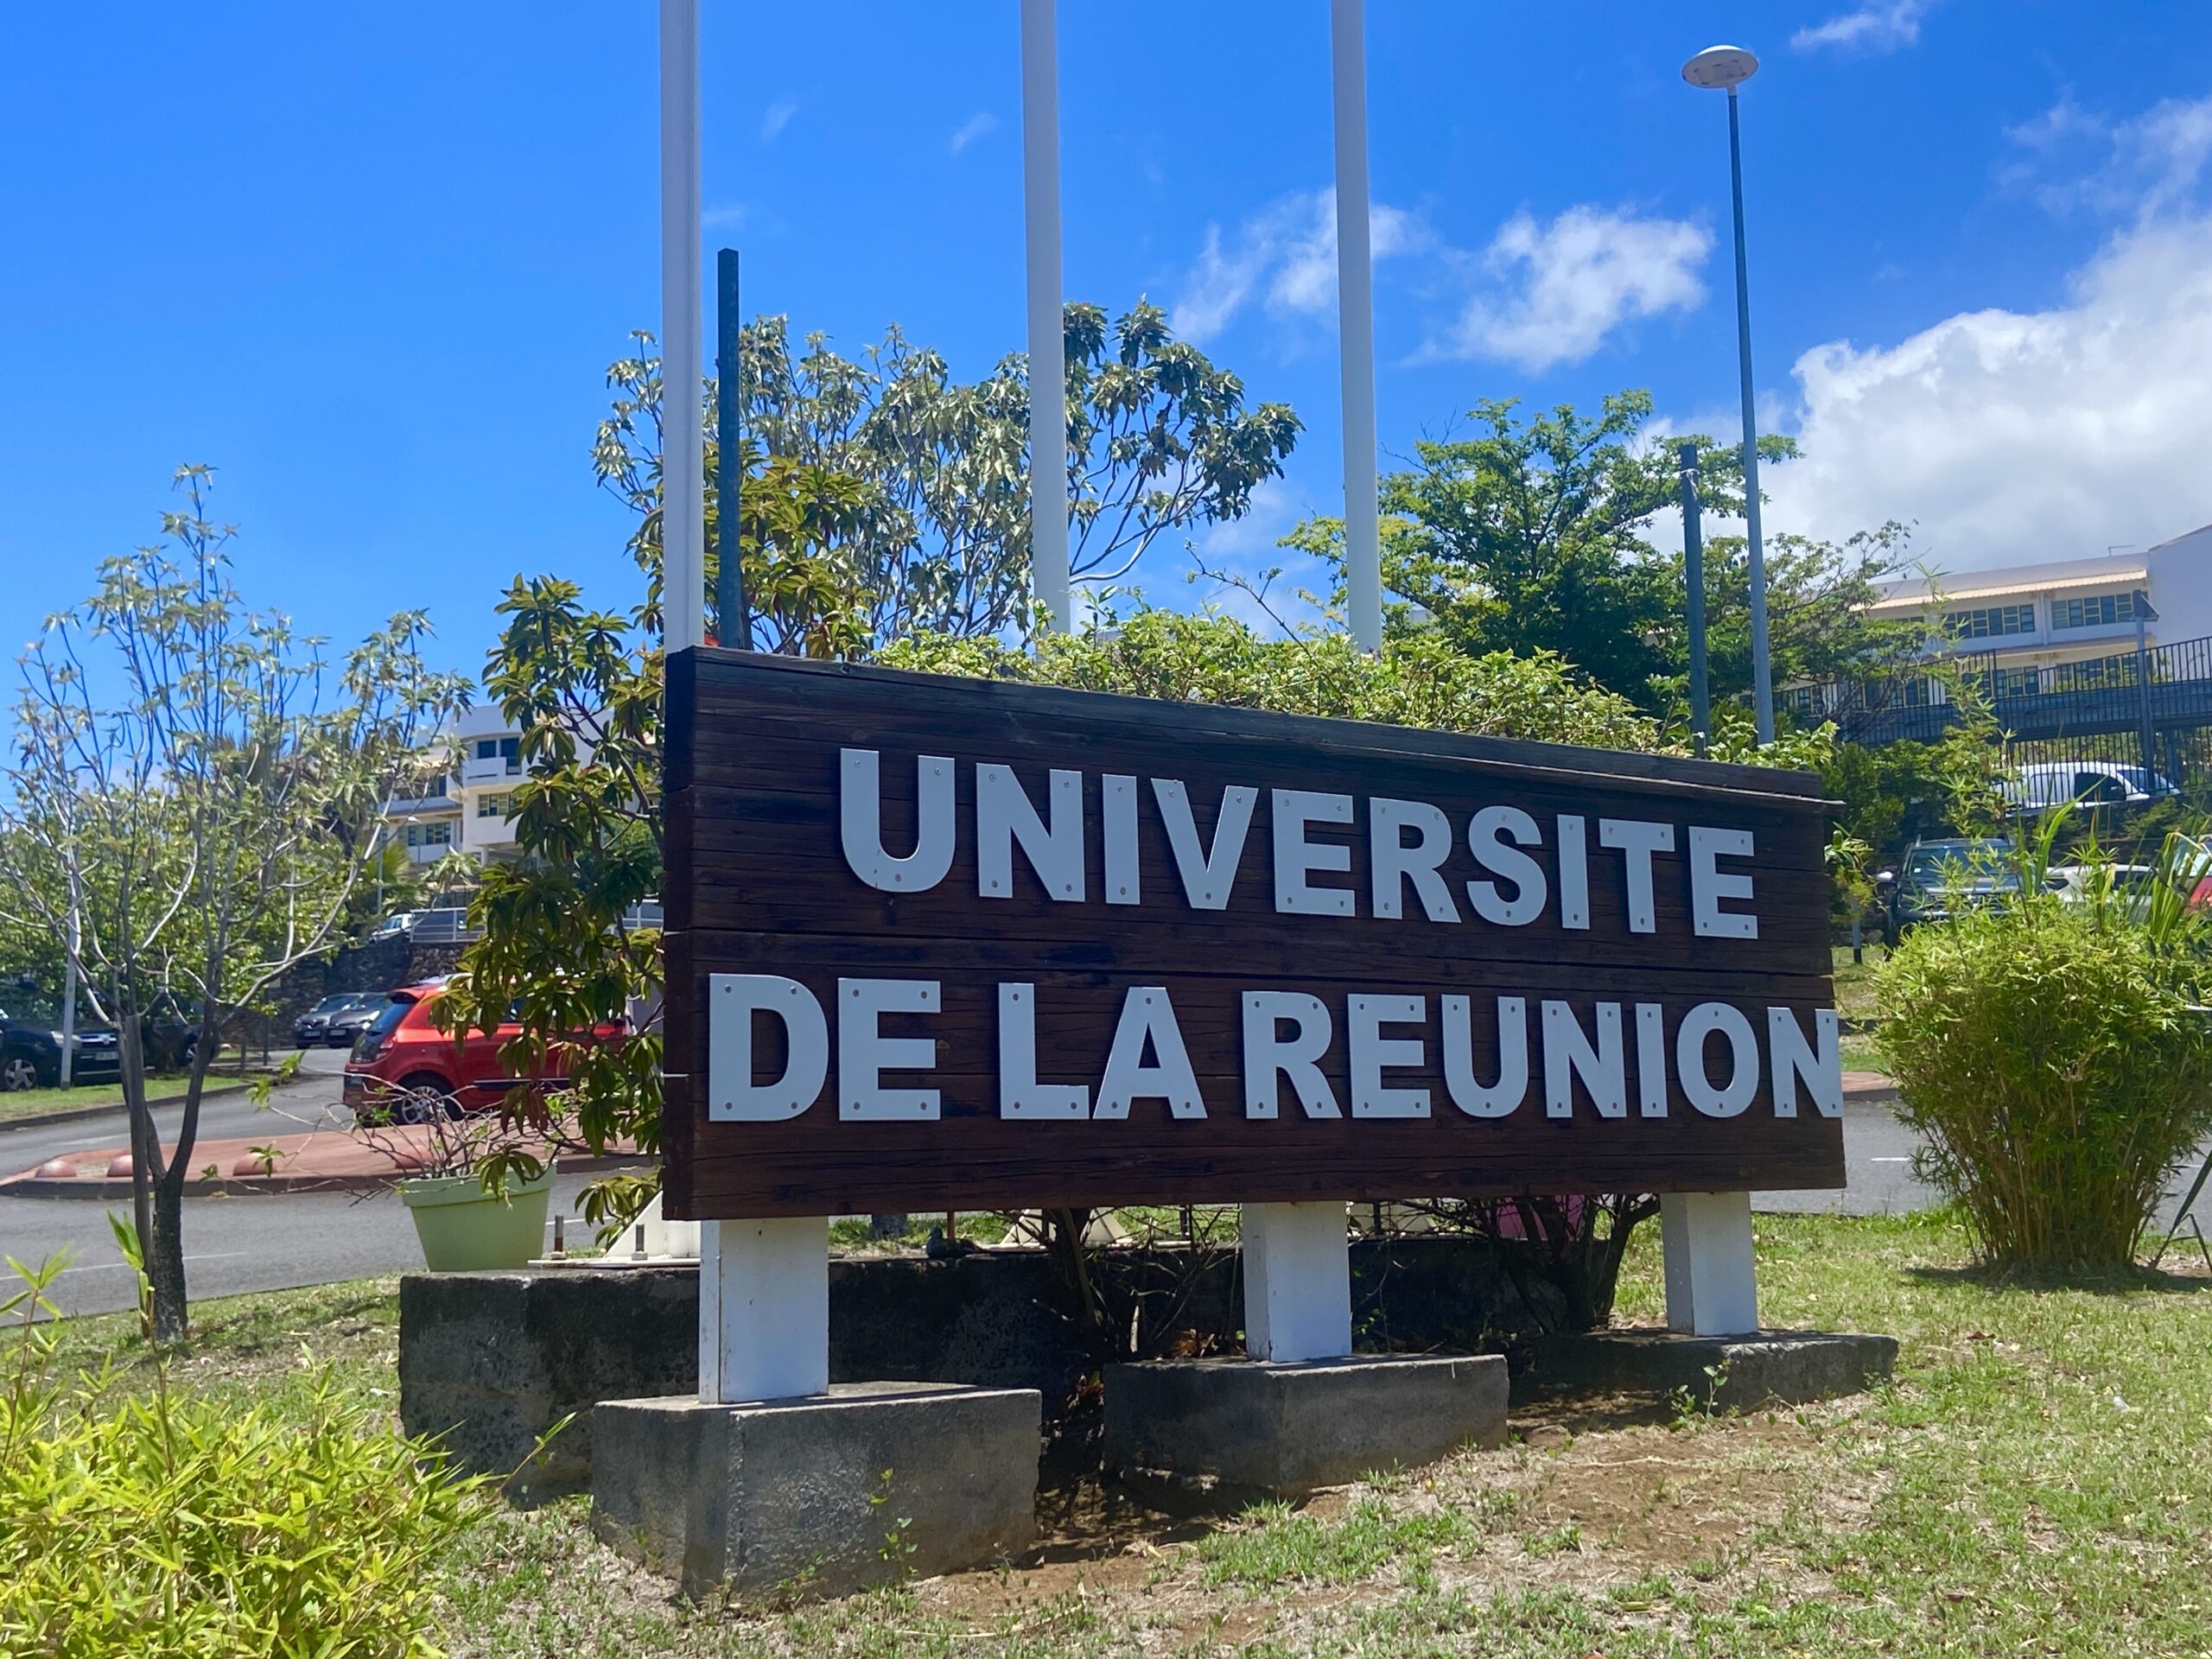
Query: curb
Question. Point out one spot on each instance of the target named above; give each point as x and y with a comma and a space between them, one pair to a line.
79, 1113
103, 1190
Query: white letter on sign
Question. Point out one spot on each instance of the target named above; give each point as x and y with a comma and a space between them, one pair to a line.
1019, 1093
1004, 815
1700, 1022
1708, 886
1394, 863
1207, 876
1269, 1057
859, 821
1512, 1085
1638, 840
1567, 1055
1794, 1058
731, 1095
1371, 1050
1487, 832
1147, 1014
864, 1053
1296, 858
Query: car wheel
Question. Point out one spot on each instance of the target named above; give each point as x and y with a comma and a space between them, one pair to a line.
422, 1099
17, 1073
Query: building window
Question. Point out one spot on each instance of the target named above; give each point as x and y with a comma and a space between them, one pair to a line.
2098, 611
1990, 621
494, 806
508, 749
439, 834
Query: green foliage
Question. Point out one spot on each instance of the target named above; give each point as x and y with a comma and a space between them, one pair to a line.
2051, 1055
556, 950
1535, 535
911, 489
182, 1527
1418, 680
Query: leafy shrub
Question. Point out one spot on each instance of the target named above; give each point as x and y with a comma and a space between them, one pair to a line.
165, 1526
2049, 1055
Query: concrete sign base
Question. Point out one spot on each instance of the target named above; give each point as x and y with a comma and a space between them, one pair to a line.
1721, 1373
1208, 1434
867, 1484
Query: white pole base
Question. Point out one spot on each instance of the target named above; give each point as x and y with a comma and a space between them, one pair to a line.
763, 1309
1711, 1288
1297, 1281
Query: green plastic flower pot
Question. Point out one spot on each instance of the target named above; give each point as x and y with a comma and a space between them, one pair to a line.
464, 1229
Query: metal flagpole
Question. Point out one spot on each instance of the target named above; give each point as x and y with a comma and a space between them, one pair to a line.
1356, 324
1694, 590
1048, 393
682, 496
1761, 670
733, 621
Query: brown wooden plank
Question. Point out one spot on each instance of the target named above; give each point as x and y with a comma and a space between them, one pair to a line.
758, 884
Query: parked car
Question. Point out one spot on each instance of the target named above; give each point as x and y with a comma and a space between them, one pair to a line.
403, 1069
348, 1023
2085, 784
446, 925
30, 1049
2128, 887
314, 1028
1941, 878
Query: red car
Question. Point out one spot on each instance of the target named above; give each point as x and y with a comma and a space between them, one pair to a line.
403, 1068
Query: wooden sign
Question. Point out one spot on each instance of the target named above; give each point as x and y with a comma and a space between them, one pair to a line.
941, 943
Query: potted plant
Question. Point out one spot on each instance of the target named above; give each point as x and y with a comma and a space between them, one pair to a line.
465, 1226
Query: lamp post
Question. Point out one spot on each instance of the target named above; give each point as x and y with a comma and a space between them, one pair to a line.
1726, 67
1049, 576
1356, 324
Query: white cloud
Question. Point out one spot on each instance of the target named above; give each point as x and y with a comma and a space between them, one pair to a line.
777, 117
727, 218
1568, 284
975, 126
1877, 28
2010, 437
1285, 257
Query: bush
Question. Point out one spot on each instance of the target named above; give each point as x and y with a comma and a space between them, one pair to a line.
166, 1527
2049, 1055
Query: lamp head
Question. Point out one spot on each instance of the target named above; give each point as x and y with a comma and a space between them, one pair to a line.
1720, 66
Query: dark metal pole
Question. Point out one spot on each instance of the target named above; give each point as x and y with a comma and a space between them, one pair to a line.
2148, 733
1693, 587
733, 621
1761, 673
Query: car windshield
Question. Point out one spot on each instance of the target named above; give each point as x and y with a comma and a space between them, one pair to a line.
1975, 863
332, 1004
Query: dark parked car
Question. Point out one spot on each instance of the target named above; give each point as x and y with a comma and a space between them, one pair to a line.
30, 1050
312, 1029
1942, 877
348, 1023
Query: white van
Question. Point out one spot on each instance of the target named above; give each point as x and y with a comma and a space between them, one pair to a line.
2084, 784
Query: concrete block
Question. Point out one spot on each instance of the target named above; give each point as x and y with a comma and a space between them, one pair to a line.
869, 1484
1208, 1434
1774, 1367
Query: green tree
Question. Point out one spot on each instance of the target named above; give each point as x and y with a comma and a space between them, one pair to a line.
209, 824
921, 479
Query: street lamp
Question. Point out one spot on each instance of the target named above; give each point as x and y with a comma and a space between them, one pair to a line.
1726, 67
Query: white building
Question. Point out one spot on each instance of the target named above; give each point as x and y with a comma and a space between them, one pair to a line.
470, 811
2038, 620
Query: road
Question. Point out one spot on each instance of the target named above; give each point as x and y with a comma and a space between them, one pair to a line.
276, 1241
272, 1242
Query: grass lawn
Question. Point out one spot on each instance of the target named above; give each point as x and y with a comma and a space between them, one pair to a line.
2035, 1482
34, 1103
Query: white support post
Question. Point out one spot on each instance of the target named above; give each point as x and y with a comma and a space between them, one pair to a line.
763, 1285
1356, 325
684, 512
1711, 1288
1049, 577
1296, 1281
763, 1309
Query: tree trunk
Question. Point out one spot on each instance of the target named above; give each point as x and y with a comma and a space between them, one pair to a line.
165, 1262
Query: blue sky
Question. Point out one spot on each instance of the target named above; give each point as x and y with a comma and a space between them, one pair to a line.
373, 262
